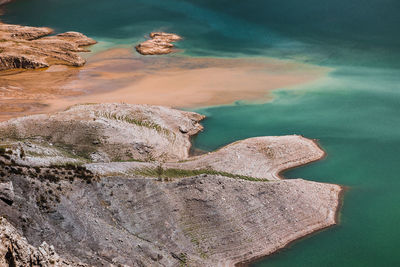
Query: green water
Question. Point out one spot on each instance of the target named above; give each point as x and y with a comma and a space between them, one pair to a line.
354, 111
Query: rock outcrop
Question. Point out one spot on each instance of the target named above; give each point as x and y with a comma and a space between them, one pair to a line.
7, 192
105, 132
167, 209
16, 251
159, 44
23, 47
258, 158
207, 220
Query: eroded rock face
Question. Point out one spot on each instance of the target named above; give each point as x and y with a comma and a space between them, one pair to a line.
201, 221
218, 209
103, 133
16, 251
23, 47
159, 44
7, 192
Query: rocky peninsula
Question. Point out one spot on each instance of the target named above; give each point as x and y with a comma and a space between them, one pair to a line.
115, 185
23, 47
160, 43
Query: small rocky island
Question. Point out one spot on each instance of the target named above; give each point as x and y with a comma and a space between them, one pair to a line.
115, 185
23, 47
160, 43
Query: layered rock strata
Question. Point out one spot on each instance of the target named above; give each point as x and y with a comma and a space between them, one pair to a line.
160, 43
23, 47
106, 132
164, 209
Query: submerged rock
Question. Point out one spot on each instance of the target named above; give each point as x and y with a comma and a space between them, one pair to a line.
159, 44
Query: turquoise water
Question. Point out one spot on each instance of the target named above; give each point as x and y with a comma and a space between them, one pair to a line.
325, 32
359, 130
354, 111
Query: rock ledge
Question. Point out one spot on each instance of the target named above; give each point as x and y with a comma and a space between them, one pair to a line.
23, 47
159, 44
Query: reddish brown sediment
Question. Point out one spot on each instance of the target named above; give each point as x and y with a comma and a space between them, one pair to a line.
26, 92
117, 75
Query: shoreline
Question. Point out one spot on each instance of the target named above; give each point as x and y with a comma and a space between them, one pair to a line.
339, 206
309, 232
298, 239
314, 229
280, 174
